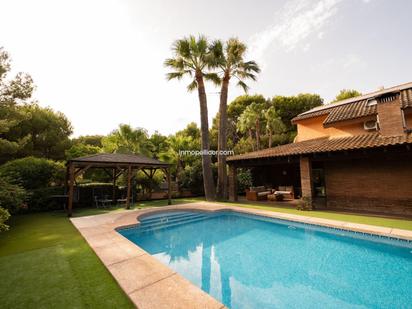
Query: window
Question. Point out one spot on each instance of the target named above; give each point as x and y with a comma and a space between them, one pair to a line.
371, 102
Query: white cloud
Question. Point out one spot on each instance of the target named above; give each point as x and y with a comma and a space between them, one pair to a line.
293, 24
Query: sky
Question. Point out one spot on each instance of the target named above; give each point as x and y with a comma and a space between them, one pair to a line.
100, 62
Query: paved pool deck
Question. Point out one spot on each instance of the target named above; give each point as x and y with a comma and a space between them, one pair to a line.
151, 284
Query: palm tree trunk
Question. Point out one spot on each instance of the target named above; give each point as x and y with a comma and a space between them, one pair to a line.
270, 138
208, 183
257, 134
222, 142
251, 139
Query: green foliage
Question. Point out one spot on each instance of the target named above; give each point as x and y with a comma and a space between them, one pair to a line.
305, 203
245, 181
229, 58
33, 173
41, 199
4, 216
47, 131
81, 150
12, 196
92, 140
191, 58
13, 93
192, 178
289, 107
346, 94
127, 140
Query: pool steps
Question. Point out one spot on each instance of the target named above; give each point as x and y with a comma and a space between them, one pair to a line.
169, 220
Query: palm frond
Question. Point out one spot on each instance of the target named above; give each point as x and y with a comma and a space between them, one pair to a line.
243, 85
192, 86
174, 75
213, 77
251, 66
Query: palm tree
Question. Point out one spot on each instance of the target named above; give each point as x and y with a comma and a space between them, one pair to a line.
191, 58
274, 124
251, 119
228, 57
127, 140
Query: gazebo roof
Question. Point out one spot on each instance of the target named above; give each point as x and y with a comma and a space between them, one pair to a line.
105, 159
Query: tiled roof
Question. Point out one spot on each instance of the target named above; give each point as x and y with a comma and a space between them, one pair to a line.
120, 159
326, 144
406, 98
356, 107
350, 111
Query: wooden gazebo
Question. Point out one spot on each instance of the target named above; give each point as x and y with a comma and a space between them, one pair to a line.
116, 164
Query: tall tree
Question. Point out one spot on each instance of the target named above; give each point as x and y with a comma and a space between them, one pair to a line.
251, 120
274, 124
127, 140
346, 94
13, 92
191, 57
229, 58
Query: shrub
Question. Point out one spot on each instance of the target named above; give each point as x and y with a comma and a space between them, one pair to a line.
192, 178
4, 216
244, 178
12, 196
305, 203
33, 173
41, 199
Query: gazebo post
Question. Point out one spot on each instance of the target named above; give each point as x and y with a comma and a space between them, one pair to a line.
129, 178
71, 183
169, 191
114, 185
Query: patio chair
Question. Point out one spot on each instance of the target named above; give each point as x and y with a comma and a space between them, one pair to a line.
258, 193
284, 191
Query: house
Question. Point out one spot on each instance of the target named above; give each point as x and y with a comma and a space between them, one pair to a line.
351, 155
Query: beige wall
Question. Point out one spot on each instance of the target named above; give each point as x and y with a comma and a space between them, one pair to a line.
313, 128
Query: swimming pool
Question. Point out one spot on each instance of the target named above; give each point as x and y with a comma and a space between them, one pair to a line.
249, 261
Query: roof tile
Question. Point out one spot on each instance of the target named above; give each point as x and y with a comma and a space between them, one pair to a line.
325, 144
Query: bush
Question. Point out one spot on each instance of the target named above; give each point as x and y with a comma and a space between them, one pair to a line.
33, 173
12, 196
244, 178
192, 178
4, 216
305, 203
41, 199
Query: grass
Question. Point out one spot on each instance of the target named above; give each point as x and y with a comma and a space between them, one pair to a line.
45, 262
405, 224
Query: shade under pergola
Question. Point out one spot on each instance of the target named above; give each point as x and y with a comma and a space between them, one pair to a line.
118, 164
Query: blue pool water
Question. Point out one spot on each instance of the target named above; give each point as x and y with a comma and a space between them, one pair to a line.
248, 261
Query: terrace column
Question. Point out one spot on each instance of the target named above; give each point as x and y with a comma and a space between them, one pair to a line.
306, 179
232, 183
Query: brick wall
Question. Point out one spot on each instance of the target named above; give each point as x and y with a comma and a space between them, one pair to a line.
390, 118
375, 185
306, 176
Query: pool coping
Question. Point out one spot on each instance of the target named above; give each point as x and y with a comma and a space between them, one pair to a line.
151, 284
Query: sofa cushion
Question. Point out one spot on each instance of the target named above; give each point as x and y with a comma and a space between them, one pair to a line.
263, 193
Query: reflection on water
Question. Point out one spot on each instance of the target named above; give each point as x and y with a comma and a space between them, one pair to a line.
247, 263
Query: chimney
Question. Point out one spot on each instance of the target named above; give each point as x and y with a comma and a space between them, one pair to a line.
390, 114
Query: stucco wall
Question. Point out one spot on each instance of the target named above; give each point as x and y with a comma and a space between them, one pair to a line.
313, 128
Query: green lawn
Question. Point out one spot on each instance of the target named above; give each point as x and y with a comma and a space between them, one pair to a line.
405, 224
45, 263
